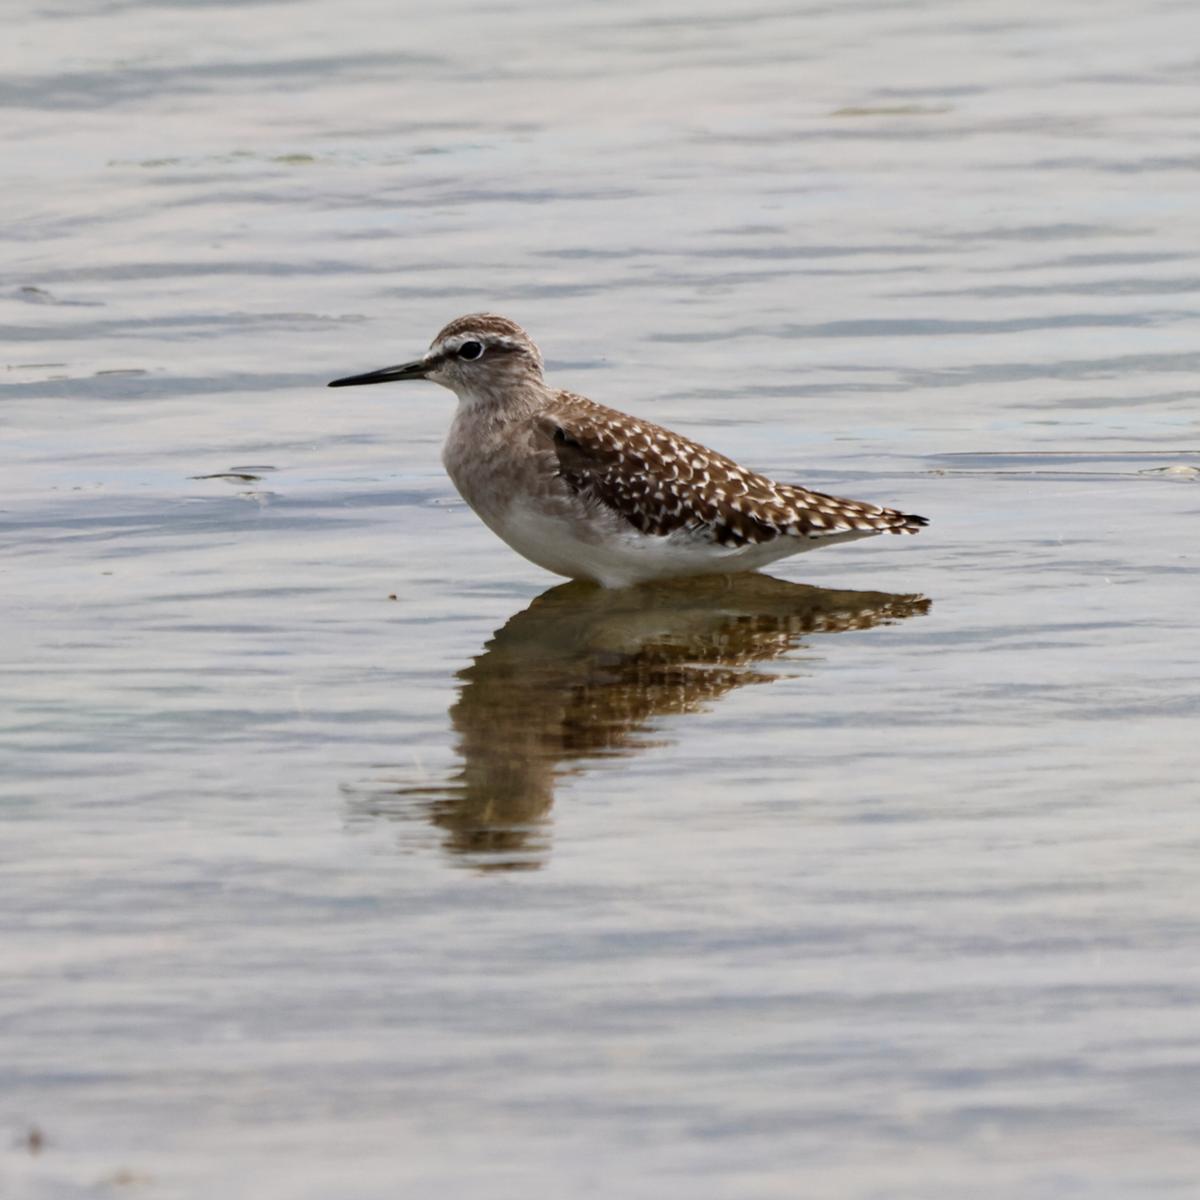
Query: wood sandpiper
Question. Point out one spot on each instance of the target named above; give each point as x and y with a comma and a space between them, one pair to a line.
591, 493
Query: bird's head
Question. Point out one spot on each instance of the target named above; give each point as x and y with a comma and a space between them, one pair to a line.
478, 357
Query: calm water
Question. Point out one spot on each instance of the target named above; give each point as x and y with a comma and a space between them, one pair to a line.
347, 856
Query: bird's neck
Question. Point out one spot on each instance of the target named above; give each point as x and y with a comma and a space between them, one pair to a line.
502, 404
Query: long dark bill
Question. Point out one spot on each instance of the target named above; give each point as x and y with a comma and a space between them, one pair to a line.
412, 370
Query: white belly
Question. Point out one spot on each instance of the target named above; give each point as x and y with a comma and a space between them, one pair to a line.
617, 557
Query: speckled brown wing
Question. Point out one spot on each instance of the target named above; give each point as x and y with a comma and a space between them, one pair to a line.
662, 483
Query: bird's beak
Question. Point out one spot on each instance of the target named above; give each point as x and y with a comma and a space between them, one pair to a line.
412, 370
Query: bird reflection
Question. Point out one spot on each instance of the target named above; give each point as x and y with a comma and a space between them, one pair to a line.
584, 673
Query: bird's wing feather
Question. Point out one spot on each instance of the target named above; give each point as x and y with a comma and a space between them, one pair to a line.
662, 483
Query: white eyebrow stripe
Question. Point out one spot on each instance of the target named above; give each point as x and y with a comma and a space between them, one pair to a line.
487, 340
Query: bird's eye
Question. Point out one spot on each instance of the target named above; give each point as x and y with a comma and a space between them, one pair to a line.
470, 350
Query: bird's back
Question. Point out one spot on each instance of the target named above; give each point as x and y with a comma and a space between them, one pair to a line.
662, 483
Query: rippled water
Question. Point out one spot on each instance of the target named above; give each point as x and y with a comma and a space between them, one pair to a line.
348, 855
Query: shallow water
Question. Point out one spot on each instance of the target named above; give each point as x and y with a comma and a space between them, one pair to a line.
349, 855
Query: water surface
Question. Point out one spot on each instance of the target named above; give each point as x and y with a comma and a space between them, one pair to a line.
349, 855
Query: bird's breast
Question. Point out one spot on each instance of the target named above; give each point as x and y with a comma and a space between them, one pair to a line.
493, 465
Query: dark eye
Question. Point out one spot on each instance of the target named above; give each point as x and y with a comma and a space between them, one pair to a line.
470, 350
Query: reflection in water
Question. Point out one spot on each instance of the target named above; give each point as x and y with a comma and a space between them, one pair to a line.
583, 672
